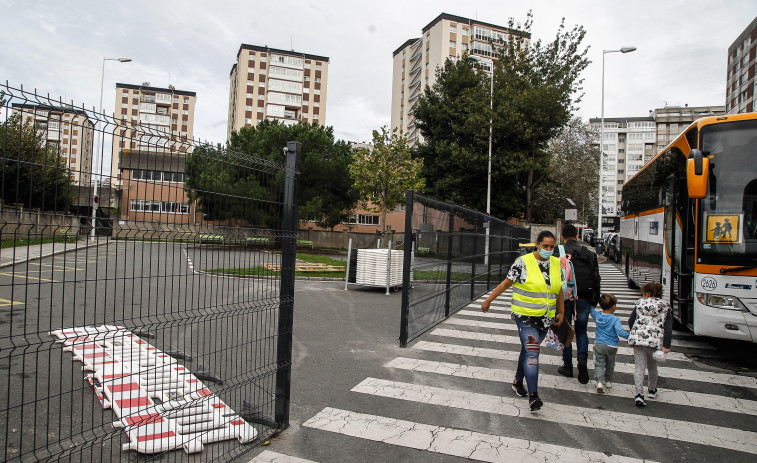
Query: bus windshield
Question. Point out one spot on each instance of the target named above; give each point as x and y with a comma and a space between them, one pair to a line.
728, 214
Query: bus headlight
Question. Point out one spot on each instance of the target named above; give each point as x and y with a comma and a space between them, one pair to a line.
720, 302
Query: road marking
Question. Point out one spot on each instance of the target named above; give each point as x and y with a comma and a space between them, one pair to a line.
61, 267
449, 441
7, 302
272, 457
18, 275
670, 396
515, 340
665, 372
608, 420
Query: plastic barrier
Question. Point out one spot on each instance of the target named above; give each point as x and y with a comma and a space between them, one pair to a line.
128, 373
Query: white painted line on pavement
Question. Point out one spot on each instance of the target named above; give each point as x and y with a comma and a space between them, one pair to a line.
18, 275
272, 457
669, 396
449, 441
684, 431
623, 349
665, 372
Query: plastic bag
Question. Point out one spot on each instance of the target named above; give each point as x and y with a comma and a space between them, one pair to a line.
660, 356
551, 341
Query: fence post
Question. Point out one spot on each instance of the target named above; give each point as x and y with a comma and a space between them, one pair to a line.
449, 260
473, 266
286, 306
406, 267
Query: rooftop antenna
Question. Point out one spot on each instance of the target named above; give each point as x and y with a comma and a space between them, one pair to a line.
291, 45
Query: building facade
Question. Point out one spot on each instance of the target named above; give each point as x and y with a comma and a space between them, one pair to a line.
742, 64
267, 83
631, 142
416, 61
162, 119
69, 131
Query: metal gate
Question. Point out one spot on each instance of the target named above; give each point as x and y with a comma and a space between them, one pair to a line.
142, 311
457, 254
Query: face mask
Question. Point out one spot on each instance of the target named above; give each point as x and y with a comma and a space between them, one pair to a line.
544, 253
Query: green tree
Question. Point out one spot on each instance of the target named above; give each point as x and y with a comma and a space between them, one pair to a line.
325, 191
536, 87
573, 173
384, 173
33, 173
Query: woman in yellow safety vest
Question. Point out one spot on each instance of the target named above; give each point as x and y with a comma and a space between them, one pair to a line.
537, 304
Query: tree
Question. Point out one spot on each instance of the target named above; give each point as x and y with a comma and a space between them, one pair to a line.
536, 86
573, 173
33, 173
383, 174
325, 191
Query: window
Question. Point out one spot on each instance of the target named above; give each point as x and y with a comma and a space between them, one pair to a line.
620, 182
621, 151
453, 29
186, 113
317, 79
452, 44
465, 31
186, 100
364, 219
318, 67
621, 171
673, 127
261, 97
621, 161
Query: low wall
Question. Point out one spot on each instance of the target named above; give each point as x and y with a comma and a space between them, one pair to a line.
21, 223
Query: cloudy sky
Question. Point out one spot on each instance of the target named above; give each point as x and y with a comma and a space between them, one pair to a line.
57, 47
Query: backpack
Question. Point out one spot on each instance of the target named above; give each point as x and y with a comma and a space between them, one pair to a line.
569, 284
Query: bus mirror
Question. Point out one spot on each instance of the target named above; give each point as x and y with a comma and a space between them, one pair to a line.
697, 172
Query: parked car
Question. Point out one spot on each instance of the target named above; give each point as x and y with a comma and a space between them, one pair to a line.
606, 237
613, 248
588, 234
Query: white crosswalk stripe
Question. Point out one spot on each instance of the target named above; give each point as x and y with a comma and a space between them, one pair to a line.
448, 367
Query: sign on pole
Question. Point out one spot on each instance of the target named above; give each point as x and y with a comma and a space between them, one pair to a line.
571, 214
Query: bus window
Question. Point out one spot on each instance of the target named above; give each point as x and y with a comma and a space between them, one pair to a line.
728, 211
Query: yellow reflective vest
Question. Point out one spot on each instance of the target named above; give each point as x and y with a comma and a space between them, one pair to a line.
532, 297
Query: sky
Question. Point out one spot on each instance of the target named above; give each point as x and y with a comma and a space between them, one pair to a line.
57, 47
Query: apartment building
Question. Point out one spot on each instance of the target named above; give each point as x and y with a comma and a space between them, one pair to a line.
741, 85
165, 119
268, 83
629, 142
672, 120
68, 130
416, 60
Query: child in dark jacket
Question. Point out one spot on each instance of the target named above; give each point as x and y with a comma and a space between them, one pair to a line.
609, 328
651, 325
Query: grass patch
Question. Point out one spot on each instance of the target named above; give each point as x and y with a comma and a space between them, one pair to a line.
34, 241
262, 271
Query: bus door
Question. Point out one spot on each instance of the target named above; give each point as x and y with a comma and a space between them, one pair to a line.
679, 235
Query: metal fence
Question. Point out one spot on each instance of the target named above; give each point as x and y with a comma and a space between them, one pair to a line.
164, 330
457, 254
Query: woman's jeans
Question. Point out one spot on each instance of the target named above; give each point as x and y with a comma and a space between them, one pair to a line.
528, 362
580, 307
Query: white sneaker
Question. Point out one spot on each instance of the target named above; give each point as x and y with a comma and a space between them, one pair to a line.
608, 385
600, 388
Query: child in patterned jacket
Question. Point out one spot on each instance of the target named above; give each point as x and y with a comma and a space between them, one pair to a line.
651, 325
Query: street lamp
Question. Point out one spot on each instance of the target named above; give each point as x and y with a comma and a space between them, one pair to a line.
97, 174
602, 136
489, 174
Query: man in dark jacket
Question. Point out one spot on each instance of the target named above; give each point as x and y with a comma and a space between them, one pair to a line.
588, 281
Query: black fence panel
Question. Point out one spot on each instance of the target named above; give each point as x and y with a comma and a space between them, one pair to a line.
457, 255
145, 302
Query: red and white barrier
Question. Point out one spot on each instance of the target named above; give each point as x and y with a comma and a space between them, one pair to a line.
128, 373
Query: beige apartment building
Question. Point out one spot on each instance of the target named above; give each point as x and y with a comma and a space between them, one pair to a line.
68, 130
416, 60
672, 120
165, 117
741, 85
267, 83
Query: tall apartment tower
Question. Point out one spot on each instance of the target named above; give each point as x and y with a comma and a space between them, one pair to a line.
166, 116
416, 60
742, 63
69, 131
267, 83
628, 143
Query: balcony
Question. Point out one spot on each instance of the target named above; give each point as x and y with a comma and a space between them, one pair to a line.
163, 98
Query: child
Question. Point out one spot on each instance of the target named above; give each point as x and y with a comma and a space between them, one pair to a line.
651, 325
609, 328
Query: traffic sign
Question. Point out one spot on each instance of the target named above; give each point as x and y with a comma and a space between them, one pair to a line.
96, 199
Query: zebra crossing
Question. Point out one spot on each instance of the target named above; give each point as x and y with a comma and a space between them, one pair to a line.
448, 396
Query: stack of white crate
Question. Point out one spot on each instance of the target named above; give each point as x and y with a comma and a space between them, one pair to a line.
372, 267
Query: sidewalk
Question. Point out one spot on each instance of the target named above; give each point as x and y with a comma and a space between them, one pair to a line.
21, 254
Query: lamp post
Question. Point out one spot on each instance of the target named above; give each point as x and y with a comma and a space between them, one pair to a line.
489, 174
602, 136
96, 173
